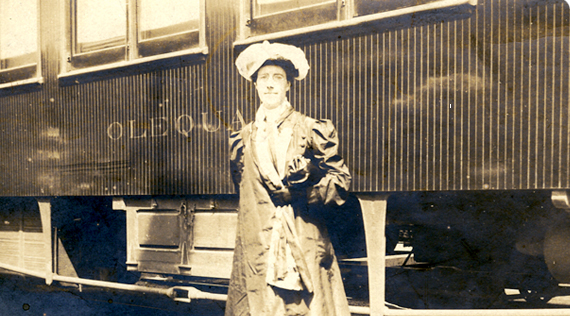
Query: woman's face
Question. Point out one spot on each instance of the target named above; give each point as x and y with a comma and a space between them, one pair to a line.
272, 86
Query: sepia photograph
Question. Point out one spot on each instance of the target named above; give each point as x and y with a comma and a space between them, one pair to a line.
284, 157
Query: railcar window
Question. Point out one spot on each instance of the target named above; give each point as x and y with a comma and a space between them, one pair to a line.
267, 16
100, 25
265, 7
365, 7
18, 40
272, 19
112, 31
167, 25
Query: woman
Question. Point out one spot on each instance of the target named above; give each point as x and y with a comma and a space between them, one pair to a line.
286, 167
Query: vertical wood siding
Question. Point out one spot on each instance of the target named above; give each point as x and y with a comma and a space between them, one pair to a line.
465, 104
471, 102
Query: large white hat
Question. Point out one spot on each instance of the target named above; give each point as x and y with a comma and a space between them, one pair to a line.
251, 59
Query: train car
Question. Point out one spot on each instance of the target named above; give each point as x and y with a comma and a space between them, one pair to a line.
452, 117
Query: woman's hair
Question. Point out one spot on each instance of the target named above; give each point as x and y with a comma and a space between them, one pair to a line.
287, 66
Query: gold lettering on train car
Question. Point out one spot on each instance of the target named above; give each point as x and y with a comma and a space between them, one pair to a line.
132, 124
155, 123
160, 126
182, 127
207, 126
238, 119
115, 130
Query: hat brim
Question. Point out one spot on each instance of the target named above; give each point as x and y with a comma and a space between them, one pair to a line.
253, 57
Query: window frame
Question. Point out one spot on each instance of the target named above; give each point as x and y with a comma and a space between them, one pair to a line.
346, 18
74, 64
314, 13
29, 73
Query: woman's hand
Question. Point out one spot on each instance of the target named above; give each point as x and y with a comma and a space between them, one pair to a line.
298, 170
281, 196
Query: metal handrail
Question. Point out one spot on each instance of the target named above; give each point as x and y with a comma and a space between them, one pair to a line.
176, 292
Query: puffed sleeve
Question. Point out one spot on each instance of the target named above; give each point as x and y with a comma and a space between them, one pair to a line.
236, 157
333, 187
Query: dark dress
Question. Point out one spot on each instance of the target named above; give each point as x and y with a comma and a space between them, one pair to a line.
301, 229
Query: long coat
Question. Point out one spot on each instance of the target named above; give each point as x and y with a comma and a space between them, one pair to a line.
322, 288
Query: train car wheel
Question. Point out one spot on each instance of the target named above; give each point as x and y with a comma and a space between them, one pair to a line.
557, 252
